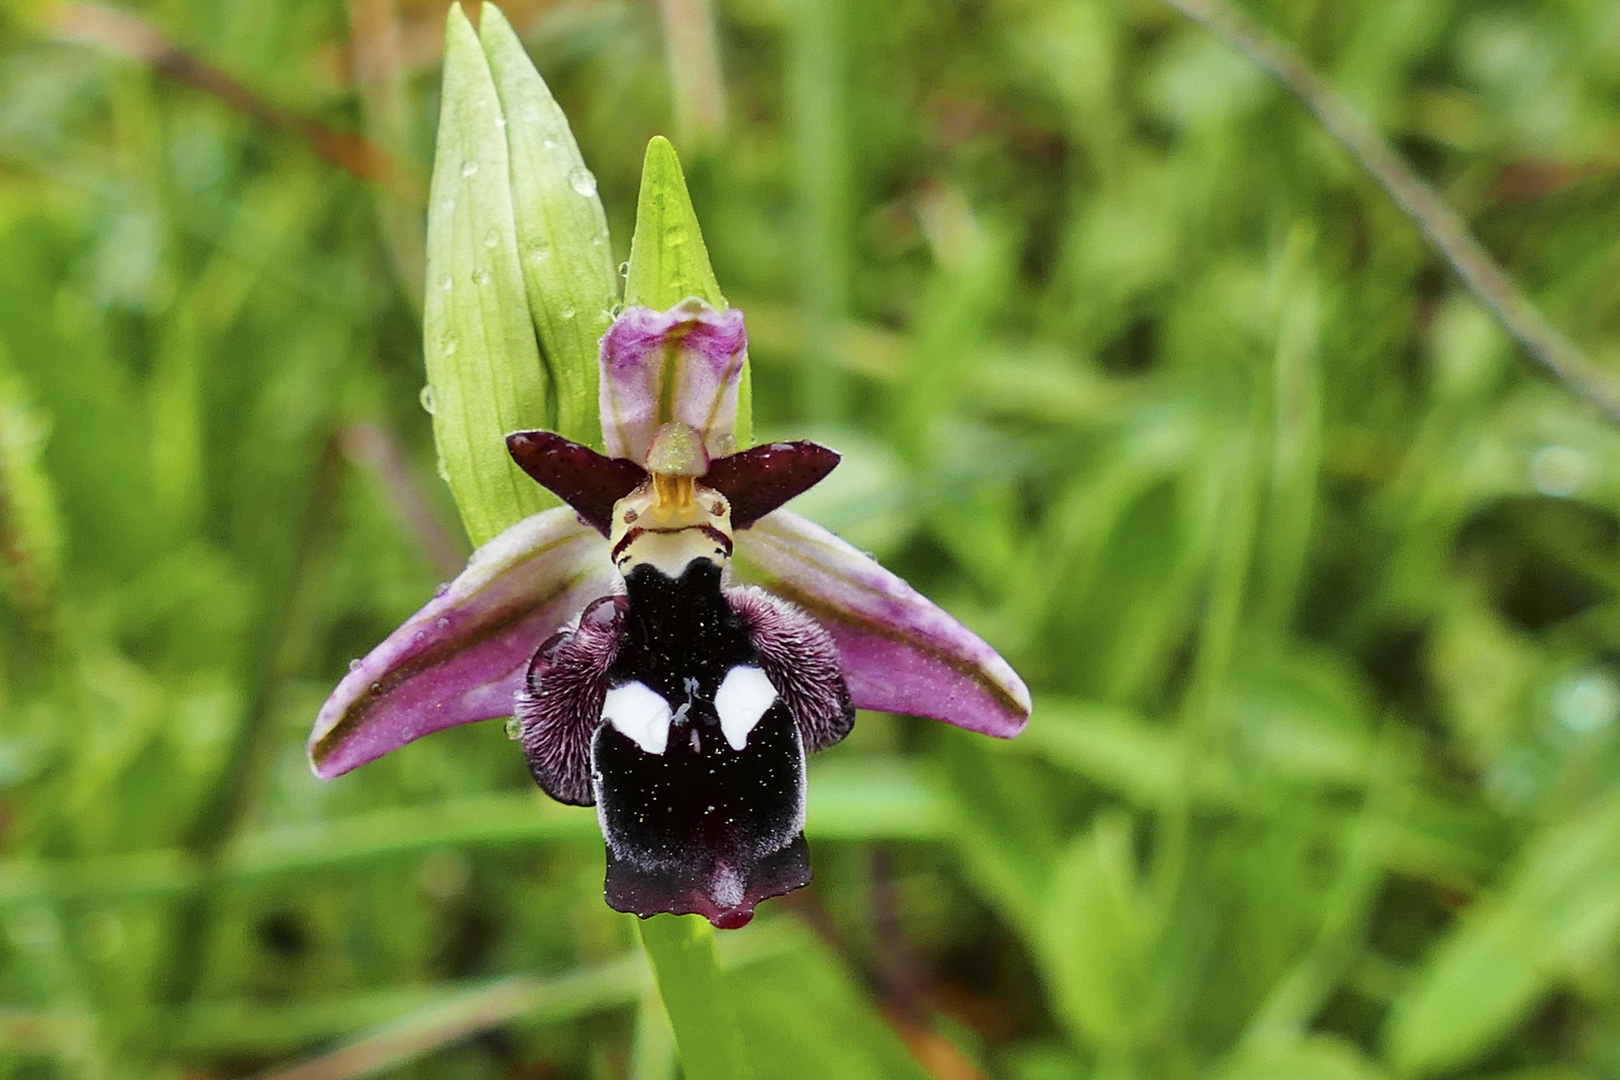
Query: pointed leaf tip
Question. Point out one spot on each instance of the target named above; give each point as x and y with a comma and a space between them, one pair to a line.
668, 259
562, 234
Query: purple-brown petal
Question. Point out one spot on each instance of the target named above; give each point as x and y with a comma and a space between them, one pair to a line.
763, 478
900, 652
681, 365
589, 482
560, 704
800, 659
463, 656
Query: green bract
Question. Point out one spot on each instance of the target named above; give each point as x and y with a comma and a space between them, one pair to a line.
520, 278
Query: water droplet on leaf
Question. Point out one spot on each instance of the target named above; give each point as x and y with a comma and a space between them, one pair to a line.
481, 277
491, 238
426, 398
514, 728
446, 283
469, 167
447, 345
581, 180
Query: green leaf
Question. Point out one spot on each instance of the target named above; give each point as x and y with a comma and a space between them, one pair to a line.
806, 1018
562, 230
1320, 1057
1560, 910
1092, 942
687, 970
485, 377
668, 259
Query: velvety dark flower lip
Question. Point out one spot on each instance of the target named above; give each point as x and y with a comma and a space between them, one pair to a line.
672, 641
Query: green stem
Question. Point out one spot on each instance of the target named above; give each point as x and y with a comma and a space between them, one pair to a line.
687, 970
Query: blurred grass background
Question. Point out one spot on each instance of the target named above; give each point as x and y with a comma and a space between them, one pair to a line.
1314, 579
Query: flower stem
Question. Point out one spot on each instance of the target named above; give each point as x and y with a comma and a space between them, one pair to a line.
687, 970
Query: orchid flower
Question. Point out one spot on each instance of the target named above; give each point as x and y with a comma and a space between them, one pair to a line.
671, 642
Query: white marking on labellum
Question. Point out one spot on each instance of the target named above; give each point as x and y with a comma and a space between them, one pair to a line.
640, 714
726, 889
744, 696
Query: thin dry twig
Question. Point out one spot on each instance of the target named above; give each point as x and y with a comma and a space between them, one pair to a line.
126, 34
375, 450
692, 51
1442, 226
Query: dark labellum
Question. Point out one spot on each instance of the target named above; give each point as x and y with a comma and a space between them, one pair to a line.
691, 707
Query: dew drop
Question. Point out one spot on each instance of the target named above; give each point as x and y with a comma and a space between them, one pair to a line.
481, 277
566, 312
624, 269
599, 240
469, 167
441, 623
447, 203
440, 589
376, 689
540, 253
514, 728
549, 142
447, 344
440, 468
445, 283
500, 121
581, 180
426, 398
615, 311
354, 665
491, 238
